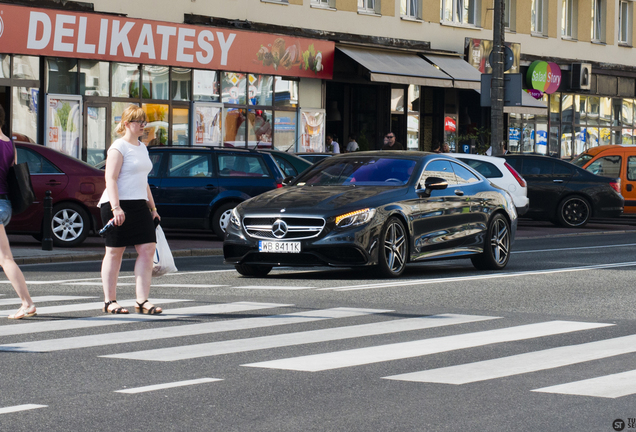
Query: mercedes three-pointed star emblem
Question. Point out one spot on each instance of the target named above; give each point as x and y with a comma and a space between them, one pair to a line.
279, 228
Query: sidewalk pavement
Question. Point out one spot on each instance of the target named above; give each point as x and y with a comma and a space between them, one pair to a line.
185, 243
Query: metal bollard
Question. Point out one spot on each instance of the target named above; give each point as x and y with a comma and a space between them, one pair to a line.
47, 231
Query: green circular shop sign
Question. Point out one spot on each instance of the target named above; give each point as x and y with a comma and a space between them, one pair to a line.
544, 76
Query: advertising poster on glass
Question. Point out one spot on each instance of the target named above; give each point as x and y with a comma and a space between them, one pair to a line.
312, 131
207, 124
64, 123
450, 131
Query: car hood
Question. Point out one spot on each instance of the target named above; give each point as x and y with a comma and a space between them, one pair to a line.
323, 199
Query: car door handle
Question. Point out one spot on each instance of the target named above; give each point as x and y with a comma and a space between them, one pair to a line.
628, 188
53, 183
557, 181
459, 192
210, 187
153, 187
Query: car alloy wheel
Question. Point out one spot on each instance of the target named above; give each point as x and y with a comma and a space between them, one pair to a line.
392, 259
496, 251
574, 211
69, 225
221, 219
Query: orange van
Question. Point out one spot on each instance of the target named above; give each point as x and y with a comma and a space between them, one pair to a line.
613, 161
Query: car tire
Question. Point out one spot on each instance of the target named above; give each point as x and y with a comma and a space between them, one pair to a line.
70, 225
253, 270
392, 255
496, 251
221, 218
574, 212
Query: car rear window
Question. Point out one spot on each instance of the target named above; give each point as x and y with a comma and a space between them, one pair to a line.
487, 169
241, 165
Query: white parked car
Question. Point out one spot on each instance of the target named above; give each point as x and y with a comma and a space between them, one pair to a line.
500, 174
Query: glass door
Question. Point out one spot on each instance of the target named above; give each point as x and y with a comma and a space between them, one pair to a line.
64, 123
96, 132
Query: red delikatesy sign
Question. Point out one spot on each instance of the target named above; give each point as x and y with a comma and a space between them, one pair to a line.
57, 33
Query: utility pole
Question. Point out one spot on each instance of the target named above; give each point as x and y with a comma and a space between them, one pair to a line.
497, 83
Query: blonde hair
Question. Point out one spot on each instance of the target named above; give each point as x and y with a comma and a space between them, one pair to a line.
130, 114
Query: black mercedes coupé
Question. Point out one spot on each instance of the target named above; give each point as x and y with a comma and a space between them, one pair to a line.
382, 209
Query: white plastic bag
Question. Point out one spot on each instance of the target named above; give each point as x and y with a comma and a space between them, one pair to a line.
163, 261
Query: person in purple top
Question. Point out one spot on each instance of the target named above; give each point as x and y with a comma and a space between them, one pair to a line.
14, 274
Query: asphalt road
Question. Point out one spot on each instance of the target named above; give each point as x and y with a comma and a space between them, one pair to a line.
547, 344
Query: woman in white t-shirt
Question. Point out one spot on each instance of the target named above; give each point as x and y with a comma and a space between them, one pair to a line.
128, 201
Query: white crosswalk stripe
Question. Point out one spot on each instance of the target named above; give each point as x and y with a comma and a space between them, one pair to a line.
80, 307
106, 320
184, 330
300, 338
375, 354
524, 363
37, 299
609, 386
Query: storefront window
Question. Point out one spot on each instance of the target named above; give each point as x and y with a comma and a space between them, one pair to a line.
126, 80
234, 127
61, 76
260, 89
26, 67
156, 82
5, 66
181, 84
206, 86
285, 130
553, 148
566, 140
627, 136
180, 126
207, 125
95, 134
579, 140
627, 113
413, 119
285, 92
593, 110
606, 111
581, 109
555, 107
94, 78
617, 109
528, 138
593, 136
233, 88
259, 128
514, 137
24, 116
567, 113
541, 138
605, 136
156, 131
397, 100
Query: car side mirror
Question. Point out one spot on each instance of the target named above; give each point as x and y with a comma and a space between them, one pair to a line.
287, 180
431, 184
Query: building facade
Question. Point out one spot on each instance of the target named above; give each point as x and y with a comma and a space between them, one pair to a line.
283, 73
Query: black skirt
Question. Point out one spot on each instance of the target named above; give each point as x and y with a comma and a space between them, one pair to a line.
138, 227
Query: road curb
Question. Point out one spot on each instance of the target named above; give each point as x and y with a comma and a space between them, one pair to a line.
100, 256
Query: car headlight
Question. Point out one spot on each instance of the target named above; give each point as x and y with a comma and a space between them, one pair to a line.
235, 220
355, 218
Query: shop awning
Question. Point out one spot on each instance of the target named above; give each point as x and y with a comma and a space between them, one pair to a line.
529, 105
398, 67
464, 75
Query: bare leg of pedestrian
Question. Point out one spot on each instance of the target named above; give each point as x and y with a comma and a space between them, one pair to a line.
110, 273
143, 276
15, 276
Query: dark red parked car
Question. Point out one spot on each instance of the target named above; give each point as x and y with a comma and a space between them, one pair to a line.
76, 188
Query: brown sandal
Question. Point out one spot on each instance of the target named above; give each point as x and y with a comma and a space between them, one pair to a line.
152, 311
119, 310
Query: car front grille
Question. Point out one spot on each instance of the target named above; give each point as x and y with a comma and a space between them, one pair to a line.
294, 228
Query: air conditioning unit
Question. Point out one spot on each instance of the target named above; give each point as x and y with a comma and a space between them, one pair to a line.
581, 76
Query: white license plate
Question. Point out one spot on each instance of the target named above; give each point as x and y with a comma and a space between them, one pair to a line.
278, 247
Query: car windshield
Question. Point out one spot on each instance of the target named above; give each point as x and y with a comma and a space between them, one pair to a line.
360, 171
582, 160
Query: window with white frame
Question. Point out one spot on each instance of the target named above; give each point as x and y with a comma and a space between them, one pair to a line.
460, 11
598, 18
410, 9
324, 3
510, 12
569, 14
625, 23
369, 6
537, 16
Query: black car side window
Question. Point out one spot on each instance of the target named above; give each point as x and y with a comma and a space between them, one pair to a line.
242, 165
563, 169
37, 163
438, 168
532, 166
189, 165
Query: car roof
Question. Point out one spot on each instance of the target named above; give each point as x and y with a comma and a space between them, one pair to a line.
493, 159
203, 148
593, 151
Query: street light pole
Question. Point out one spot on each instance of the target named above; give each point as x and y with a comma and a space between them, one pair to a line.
497, 83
